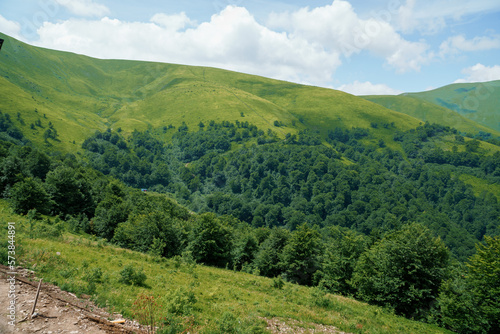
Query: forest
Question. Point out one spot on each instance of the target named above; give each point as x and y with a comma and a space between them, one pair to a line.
342, 211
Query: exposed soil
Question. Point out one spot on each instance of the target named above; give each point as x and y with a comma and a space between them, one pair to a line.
278, 326
57, 311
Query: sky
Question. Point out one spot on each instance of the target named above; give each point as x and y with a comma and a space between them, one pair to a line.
358, 46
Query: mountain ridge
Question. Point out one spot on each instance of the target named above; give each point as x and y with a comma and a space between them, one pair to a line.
97, 93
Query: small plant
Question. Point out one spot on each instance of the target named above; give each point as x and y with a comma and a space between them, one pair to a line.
129, 276
278, 283
173, 324
95, 275
319, 297
227, 323
177, 260
180, 302
146, 311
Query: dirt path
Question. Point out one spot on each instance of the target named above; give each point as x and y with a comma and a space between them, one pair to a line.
59, 311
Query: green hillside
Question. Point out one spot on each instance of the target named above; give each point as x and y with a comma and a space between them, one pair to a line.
322, 192
475, 101
79, 94
202, 298
418, 107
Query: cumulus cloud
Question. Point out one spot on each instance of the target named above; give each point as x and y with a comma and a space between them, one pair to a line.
339, 29
368, 88
480, 73
10, 28
84, 7
232, 39
456, 44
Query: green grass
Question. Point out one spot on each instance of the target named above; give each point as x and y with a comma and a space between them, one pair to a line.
480, 185
430, 112
67, 261
475, 101
79, 94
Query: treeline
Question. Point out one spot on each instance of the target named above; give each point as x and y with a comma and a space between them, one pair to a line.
302, 214
222, 168
407, 270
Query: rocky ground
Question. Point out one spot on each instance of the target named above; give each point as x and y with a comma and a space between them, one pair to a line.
57, 311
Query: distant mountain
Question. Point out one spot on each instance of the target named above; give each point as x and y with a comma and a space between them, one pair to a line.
476, 101
428, 111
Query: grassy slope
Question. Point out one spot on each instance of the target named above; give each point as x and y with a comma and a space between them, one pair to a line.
79, 94
475, 101
248, 297
429, 112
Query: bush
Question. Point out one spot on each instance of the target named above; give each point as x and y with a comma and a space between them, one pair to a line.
319, 297
129, 276
180, 302
403, 271
278, 283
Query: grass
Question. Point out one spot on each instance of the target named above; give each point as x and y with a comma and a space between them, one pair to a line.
480, 185
475, 101
222, 297
431, 112
79, 94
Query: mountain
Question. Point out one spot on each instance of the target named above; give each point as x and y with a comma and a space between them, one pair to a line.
79, 94
417, 106
475, 101
305, 185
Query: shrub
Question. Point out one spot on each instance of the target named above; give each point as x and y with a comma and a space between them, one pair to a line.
319, 297
278, 283
146, 310
180, 302
129, 276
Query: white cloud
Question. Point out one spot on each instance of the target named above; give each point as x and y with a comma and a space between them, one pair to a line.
172, 22
10, 28
455, 44
232, 39
430, 17
480, 73
368, 88
410, 18
84, 7
340, 30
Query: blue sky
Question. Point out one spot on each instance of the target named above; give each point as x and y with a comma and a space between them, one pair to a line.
359, 46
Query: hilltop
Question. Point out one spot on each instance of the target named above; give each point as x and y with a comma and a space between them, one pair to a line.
475, 101
79, 94
430, 110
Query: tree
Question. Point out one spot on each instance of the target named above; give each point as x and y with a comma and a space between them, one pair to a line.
244, 249
300, 255
211, 241
70, 191
109, 213
339, 259
403, 270
267, 259
484, 277
457, 307
30, 194
472, 145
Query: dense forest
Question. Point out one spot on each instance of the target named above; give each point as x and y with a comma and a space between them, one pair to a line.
237, 170
340, 211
